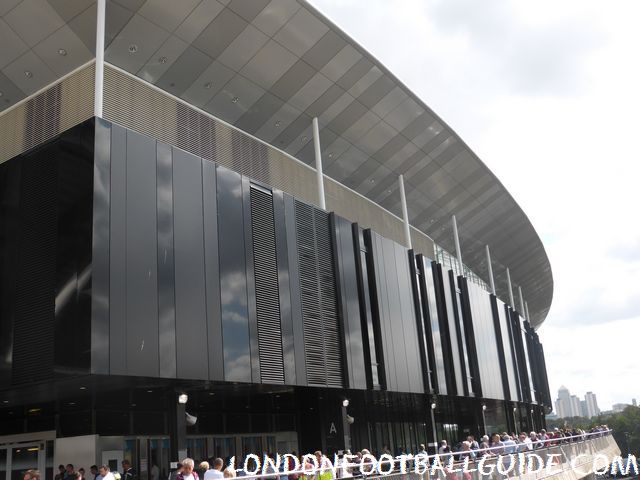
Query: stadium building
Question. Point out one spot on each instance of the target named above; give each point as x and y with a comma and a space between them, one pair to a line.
233, 200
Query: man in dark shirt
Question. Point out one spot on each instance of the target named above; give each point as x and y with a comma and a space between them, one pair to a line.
70, 473
128, 473
60, 474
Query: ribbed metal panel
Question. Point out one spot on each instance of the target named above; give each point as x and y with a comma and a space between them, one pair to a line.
328, 300
33, 335
266, 283
65, 104
323, 349
135, 104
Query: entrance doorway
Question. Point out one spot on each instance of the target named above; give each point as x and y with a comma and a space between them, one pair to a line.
19, 454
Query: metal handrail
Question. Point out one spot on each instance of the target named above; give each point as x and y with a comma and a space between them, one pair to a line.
407, 459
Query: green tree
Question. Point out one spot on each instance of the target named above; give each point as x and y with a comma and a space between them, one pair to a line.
626, 429
625, 426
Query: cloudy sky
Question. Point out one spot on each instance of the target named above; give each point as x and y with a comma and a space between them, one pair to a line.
546, 92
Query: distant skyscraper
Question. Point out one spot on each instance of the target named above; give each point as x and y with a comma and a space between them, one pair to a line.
563, 403
634, 402
575, 406
592, 405
568, 405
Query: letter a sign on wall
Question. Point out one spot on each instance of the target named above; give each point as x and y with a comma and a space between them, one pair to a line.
332, 428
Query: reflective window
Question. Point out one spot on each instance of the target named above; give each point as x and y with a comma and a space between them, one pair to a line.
451, 304
508, 352
233, 278
435, 327
465, 354
486, 344
527, 358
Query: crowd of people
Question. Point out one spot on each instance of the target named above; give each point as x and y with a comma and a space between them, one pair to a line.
510, 443
69, 472
352, 464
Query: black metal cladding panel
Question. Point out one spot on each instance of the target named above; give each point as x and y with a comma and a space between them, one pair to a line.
141, 259
33, 344
545, 377
212, 270
45, 259
422, 317
470, 335
486, 342
333, 343
267, 294
397, 318
453, 315
349, 302
9, 221
449, 383
507, 348
410, 346
382, 310
166, 270
523, 374
117, 253
323, 348
284, 288
293, 261
233, 277
527, 357
438, 352
463, 336
100, 255
189, 261
518, 395
369, 305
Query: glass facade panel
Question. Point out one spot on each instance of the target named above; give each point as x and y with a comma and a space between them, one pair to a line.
22, 459
251, 445
373, 355
223, 447
196, 448
508, 353
465, 354
495, 418
3, 463
233, 278
527, 358
159, 458
486, 344
451, 304
435, 327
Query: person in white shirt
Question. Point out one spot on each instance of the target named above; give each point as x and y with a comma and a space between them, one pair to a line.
215, 473
187, 470
105, 473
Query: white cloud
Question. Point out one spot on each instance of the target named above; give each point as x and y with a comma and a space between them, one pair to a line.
546, 93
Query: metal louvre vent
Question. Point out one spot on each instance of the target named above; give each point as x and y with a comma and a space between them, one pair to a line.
49, 113
266, 283
321, 322
33, 335
132, 103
